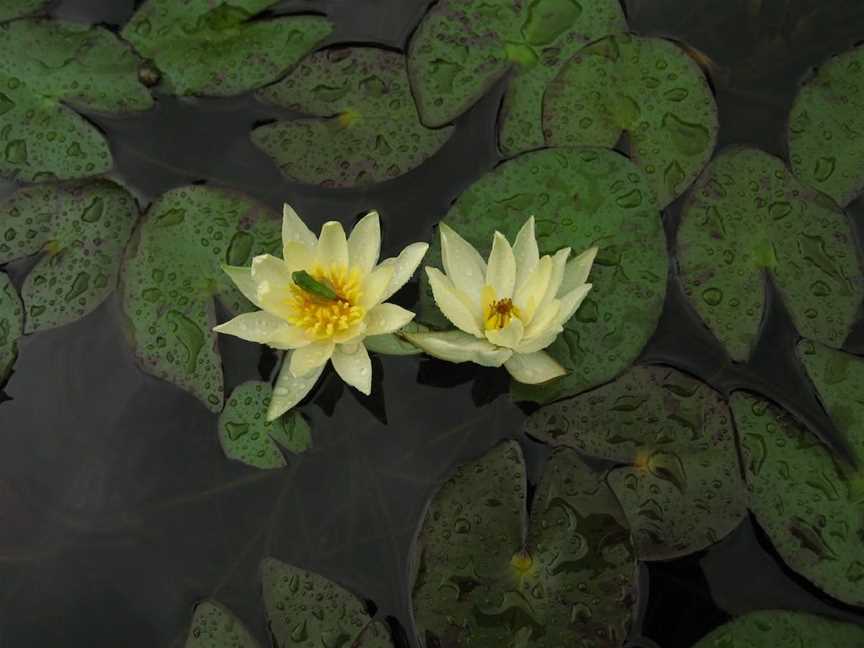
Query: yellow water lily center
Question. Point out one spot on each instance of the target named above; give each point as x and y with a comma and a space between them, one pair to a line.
508, 309
320, 301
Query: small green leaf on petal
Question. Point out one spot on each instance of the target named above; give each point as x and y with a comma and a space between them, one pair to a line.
308, 283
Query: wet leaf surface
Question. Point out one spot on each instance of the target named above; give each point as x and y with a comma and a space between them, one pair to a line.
11, 326
748, 216
207, 48
80, 230
214, 626
681, 487
363, 126
173, 272
10, 9
647, 87
45, 67
776, 628
463, 47
487, 576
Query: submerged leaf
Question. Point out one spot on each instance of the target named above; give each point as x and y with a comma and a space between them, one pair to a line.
782, 629
11, 326
215, 626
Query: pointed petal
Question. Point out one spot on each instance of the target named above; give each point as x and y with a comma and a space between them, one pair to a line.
272, 283
526, 252
509, 336
375, 285
451, 304
386, 318
545, 318
332, 245
290, 390
559, 265
571, 302
577, 270
364, 244
534, 368
297, 256
264, 328
353, 365
530, 294
456, 346
404, 267
309, 358
294, 229
462, 263
501, 271
242, 278
539, 342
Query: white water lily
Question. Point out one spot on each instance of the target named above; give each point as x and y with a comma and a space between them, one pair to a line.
319, 302
506, 310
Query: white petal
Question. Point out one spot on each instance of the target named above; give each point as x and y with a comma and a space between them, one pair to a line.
242, 278
294, 229
577, 270
571, 302
451, 304
297, 256
501, 271
545, 318
462, 263
534, 368
509, 336
352, 363
375, 285
386, 318
530, 294
264, 328
404, 267
290, 390
526, 252
364, 244
332, 245
354, 333
559, 265
539, 342
456, 346
311, 357
272, 283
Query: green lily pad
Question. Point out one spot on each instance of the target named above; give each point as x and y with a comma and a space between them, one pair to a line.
247, 436
463, 47
81, 229
826, 127
647, 87
216, 48
46, 66
394, 343
810, 505
215, 626
173, 271
487, 577
11, 326
363, 126
682, 488
306, 610
782, 629
747, 216
579, 197
10, 9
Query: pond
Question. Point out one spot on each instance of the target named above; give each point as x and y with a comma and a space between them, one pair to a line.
685, 471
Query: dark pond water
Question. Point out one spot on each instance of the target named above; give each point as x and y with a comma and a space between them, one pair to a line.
118, 510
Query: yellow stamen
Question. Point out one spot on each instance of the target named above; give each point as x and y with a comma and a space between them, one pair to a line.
323, 318
499, 312
522, 562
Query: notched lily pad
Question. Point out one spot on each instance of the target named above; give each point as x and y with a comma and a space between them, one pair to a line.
215, 626
487, 577
247, 436
46, 66
220, 48
782, 629
810, 505
173, 271
826, 128
10, 9
81, 229
580, 198
748, 215
647, 87
11, 326
362, 127
682, 490
463, 47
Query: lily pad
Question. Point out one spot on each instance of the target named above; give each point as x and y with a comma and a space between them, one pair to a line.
46, 66
681, 488
487, 577
810, 505
395, 343
747, 216
219, 48
826, 127
173, 271
363, 126
647, 87
247, 436
783, 629
10, 9
306, 610
81, 229
463, 47
11, 326
215, 626
580, 197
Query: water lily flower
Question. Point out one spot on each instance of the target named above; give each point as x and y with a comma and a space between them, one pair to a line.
320, 300
506, 310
